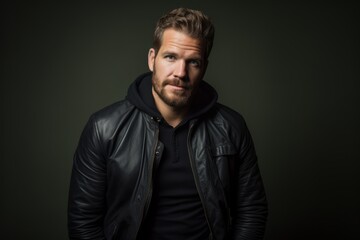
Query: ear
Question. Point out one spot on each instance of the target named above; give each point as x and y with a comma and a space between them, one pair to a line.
151, 59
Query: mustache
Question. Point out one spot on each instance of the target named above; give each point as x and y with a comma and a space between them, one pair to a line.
176, 82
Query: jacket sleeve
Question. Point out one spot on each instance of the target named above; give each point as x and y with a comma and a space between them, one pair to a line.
86, 205
249, 206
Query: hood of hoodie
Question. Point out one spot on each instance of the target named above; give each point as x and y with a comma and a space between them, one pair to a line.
140, 95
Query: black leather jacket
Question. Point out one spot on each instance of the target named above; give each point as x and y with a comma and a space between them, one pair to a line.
111, 184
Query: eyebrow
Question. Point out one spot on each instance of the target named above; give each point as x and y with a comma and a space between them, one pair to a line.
169, 52
197, 57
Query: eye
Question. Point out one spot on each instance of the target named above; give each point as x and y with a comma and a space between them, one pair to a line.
170, 57
195, 63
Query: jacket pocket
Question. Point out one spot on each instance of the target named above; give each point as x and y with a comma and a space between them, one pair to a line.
224, 157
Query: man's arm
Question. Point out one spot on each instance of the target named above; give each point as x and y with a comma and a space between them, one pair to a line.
86, 206
249, 209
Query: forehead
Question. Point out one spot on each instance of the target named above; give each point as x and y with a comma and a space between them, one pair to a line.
178, 40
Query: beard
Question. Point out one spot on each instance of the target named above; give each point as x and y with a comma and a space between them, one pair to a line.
176, 99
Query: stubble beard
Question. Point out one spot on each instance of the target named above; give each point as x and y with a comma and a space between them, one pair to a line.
179, 100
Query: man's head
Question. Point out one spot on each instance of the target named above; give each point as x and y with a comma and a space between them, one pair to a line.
191, 22
182, 43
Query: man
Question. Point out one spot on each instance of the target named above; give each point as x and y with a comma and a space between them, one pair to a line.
168, 162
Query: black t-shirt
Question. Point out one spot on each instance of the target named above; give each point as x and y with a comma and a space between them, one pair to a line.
176, 211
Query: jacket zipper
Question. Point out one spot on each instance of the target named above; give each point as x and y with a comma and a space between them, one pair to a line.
197, 180
146, 205
149, 194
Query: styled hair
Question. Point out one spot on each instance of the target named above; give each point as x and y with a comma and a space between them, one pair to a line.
191, 22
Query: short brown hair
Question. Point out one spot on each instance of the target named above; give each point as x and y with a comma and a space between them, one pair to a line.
192, 22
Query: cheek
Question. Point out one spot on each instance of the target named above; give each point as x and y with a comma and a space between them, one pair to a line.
164, 70
196, 77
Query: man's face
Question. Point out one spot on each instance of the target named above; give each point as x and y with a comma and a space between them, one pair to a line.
177, 68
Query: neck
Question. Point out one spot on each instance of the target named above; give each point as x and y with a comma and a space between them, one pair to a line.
173, 116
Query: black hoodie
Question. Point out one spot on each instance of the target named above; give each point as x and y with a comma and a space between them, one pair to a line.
176, 210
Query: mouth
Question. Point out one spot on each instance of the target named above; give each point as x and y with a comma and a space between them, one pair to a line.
177, 85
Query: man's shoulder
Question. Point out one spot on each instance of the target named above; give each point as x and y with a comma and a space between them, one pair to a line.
226, 127
114, 110
228, 116
109, 118
228, 110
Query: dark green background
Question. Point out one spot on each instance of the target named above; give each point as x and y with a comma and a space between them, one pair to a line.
292, 70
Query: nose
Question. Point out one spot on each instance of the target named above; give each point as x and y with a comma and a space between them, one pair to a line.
180, 70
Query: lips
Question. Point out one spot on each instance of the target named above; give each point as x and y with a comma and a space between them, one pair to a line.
176, 84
